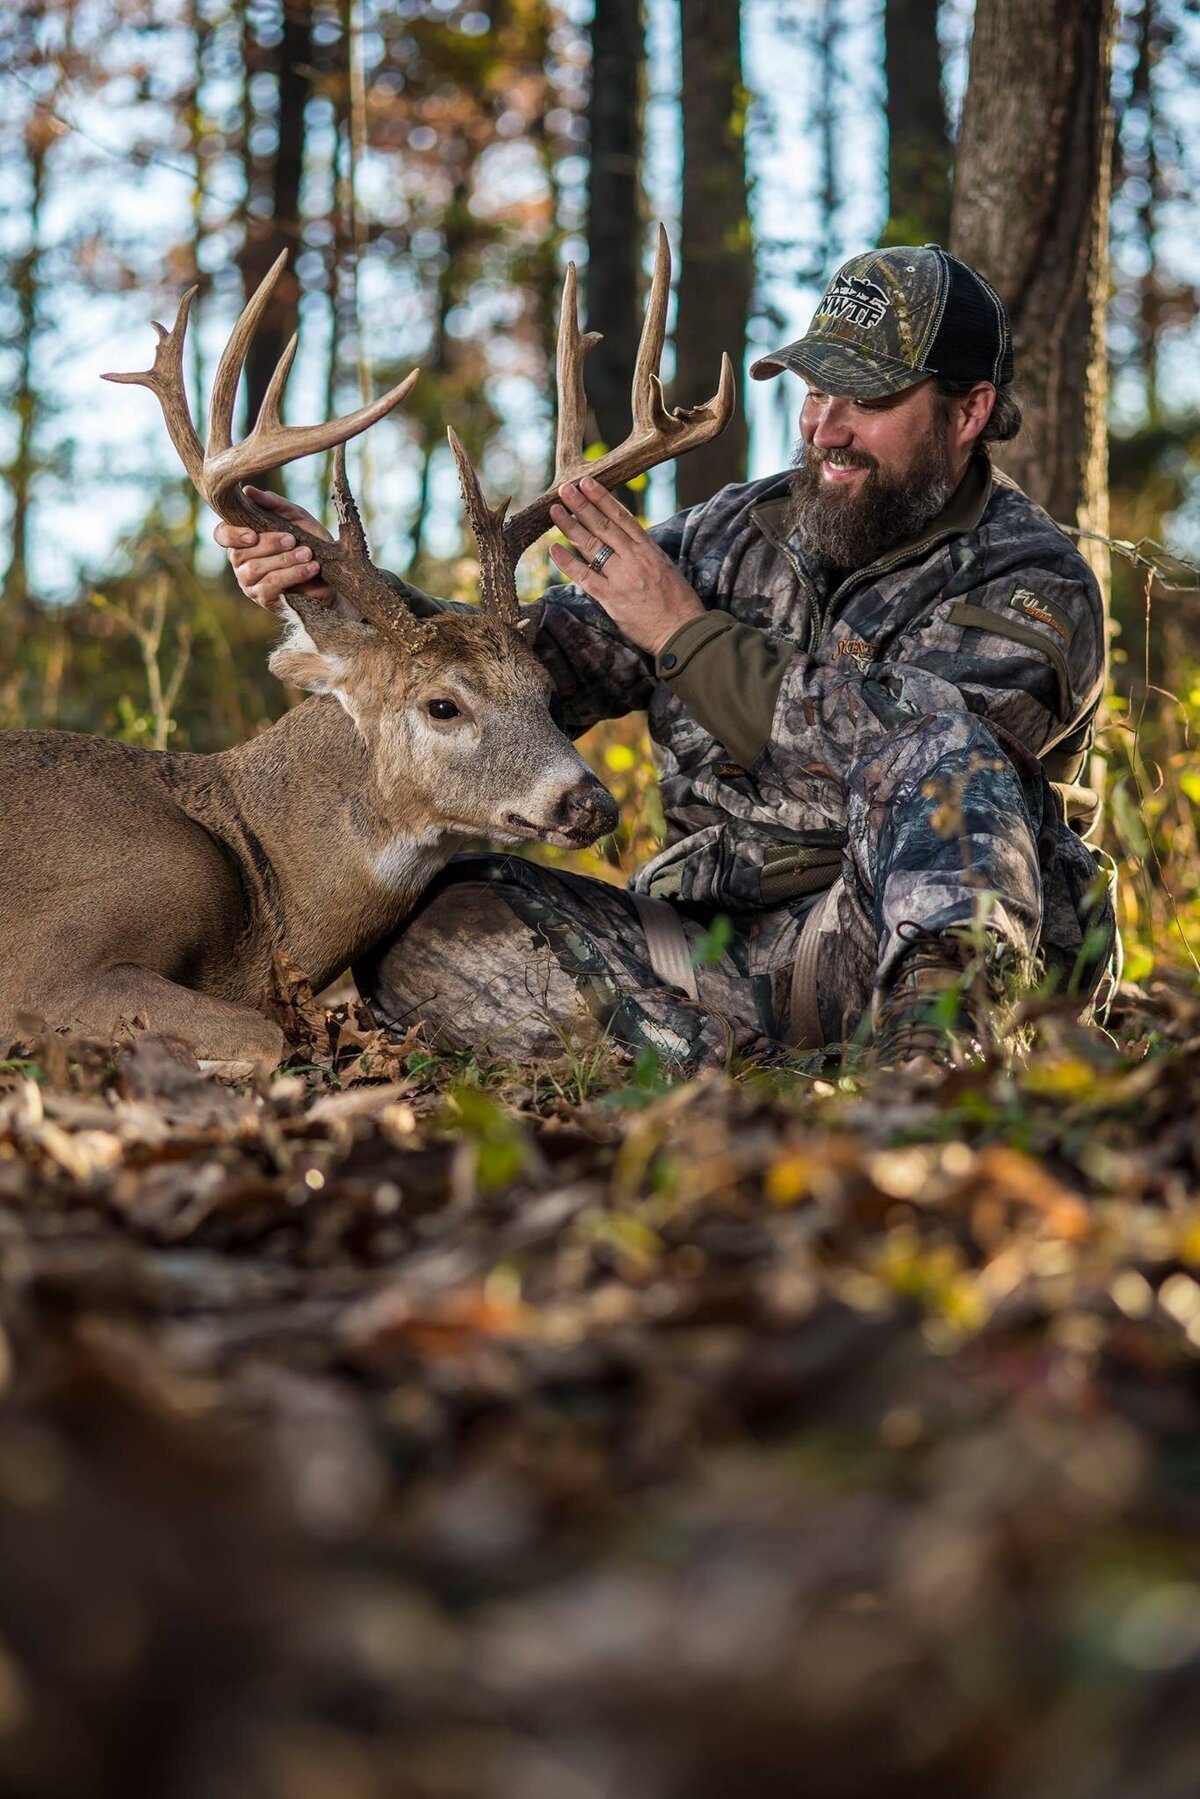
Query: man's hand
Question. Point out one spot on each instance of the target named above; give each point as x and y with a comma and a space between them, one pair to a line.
266, 564
641, 589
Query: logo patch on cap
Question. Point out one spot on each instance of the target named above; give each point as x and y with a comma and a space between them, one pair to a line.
856, 301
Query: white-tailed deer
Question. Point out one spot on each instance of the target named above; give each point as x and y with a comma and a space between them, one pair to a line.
144, 884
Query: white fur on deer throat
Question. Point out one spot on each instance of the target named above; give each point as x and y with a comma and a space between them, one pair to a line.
408, 862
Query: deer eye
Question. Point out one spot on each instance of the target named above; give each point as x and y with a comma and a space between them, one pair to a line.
443, 709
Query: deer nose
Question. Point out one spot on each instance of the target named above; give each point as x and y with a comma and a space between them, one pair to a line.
588, 810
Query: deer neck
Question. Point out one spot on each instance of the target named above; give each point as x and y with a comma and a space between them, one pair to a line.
333, 870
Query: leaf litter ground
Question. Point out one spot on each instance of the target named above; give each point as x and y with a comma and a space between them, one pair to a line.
418, 1426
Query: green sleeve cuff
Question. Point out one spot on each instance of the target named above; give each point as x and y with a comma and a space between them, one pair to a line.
728, 675
685, 643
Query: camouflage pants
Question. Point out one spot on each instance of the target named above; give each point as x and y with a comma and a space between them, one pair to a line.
944, 824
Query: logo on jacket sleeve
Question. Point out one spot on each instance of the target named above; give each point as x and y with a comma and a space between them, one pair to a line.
1047, 612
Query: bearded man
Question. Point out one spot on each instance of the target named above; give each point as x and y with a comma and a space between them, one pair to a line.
861, 678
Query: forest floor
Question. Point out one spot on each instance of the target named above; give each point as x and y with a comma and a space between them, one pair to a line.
406, 1425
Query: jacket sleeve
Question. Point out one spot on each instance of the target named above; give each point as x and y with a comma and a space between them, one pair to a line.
1024, 650
597, 673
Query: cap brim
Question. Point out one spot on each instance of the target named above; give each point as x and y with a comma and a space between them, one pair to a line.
838, 369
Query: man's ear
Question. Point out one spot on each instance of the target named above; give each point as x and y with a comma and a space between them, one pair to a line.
976, 409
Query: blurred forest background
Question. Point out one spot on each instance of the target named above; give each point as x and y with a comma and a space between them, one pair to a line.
440, 1427
430, 165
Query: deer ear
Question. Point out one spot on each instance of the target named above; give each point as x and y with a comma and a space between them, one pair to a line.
302, 663
312, 670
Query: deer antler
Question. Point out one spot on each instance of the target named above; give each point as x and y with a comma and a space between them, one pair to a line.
218, 470
658, 434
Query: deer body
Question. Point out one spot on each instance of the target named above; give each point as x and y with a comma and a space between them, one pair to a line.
155, 885
314, 839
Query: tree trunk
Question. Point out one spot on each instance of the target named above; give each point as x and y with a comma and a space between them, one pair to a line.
614, 202
1031, 192
273, 195
195, 123
28, 402
919, 156
716, 275
457, 233
1145, 178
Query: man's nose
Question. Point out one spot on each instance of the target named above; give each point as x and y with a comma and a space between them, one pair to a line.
831, 428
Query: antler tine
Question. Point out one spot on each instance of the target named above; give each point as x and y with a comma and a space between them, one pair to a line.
165, 380
574, 346
271, 444
233, 360
350, 525
648, 409
658, 433
348, 568
497, 582
270, 413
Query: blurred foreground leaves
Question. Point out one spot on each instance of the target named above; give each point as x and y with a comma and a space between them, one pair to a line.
407, 1425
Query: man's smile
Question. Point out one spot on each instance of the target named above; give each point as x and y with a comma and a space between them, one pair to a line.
841, 466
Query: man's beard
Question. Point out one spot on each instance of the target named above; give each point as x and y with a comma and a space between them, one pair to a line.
848, 529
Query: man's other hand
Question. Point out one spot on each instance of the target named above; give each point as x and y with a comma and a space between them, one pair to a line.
267, 565
641, 589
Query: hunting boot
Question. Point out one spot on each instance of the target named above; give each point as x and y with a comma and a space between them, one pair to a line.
940, 1008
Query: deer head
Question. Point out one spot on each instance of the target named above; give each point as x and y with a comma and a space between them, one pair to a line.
458, 729
454, 711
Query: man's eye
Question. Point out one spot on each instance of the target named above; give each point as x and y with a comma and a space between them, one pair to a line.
442, 709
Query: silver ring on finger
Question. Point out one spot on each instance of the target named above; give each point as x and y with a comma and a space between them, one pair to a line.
601, 557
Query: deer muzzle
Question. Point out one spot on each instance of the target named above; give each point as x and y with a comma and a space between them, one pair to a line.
582, 813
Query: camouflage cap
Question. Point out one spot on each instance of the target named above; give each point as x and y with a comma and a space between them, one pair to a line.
894, 317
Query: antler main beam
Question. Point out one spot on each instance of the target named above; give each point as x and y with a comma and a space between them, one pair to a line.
658, 434
218, 469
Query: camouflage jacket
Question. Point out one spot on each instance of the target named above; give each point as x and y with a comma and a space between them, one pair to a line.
758, 711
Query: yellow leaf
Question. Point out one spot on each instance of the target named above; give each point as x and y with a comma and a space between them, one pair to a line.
961, 1304
1068, 1078
788, 1180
